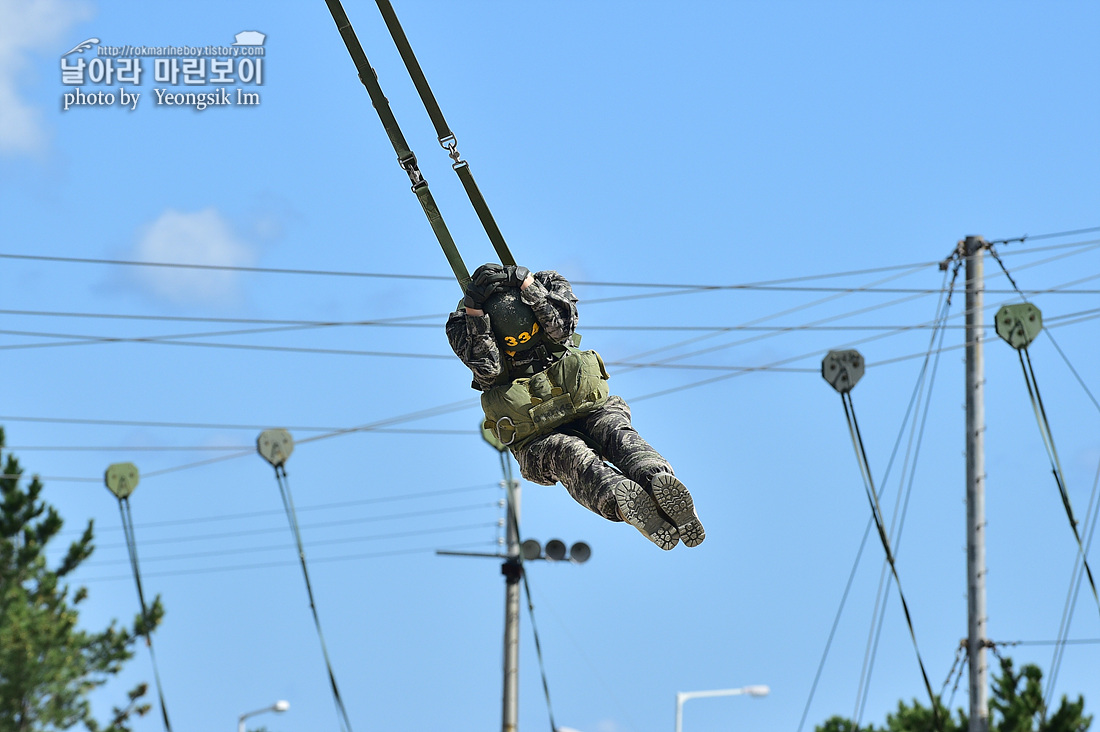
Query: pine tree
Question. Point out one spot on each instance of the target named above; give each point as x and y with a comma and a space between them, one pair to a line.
1016, 706
49, 665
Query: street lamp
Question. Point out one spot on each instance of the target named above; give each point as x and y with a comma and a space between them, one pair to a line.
280, 706
683, 696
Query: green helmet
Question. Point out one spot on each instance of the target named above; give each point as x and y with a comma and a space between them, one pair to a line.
513, 321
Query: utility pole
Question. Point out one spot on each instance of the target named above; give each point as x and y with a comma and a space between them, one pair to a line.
973, 250
512, 569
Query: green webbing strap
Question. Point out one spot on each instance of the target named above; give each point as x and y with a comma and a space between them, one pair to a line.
463, 169
131, 548
446, 137
415, 71
405, 156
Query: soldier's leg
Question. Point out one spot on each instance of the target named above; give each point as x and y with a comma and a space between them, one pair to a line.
567, 459
594, 484
621, 444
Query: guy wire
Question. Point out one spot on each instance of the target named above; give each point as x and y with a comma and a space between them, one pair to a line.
1074, 588
1056, 469
1078, 570
873, 635
870, 521
1049, 335
957, 668
903, 503
131, 546
292, 517
1055, 463
876, 512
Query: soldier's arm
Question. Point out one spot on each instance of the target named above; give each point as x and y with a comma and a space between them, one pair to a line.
554, 303
472, 341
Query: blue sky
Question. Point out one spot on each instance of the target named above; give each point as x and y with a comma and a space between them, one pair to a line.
643, 145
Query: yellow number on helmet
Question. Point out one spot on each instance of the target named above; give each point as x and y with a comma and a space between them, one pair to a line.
534, 328
510, 341
524, 337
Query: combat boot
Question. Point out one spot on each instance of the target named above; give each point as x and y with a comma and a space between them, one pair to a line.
675, 502
637, 508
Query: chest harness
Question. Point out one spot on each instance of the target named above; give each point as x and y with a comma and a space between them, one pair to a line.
518, 407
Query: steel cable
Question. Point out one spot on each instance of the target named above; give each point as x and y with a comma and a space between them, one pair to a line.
131, 548
292, 517
876, 512
938, 322
904, 503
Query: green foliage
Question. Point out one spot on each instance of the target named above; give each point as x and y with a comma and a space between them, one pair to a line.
1016, 706
839, 724
48, 665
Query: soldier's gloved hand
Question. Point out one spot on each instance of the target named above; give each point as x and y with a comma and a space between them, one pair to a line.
489, 274
515, 275
476, 295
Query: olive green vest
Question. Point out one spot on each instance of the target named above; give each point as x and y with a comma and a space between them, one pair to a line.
519, 410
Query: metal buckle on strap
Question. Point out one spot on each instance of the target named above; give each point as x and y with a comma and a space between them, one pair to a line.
408, 164
510, 424
450, 144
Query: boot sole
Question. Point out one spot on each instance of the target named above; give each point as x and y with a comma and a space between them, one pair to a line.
640, 511
674, 500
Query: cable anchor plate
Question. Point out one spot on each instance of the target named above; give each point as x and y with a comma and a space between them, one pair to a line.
1019, 324
121, 479
275, 446
842, 369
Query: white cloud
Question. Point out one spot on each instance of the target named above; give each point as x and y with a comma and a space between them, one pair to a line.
26, 27
203, 237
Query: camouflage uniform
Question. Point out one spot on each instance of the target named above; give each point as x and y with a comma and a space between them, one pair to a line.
575, 453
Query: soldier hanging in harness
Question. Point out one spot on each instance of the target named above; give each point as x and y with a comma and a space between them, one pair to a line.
549, 402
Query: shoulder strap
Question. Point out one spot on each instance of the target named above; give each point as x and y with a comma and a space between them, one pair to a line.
446, 138
405, 156
509, 373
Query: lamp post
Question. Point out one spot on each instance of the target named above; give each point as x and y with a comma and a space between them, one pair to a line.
683, 696
280, 706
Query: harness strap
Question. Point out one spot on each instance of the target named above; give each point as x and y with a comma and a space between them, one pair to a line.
571, 387
405, 156
446, 138
548, 351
